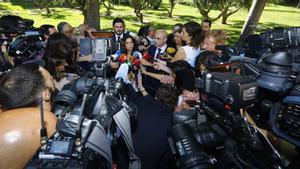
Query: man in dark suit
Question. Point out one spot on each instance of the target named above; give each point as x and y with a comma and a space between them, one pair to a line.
155, 52
119, 33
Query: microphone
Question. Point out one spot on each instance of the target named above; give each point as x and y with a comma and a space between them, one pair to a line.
136, 55
123, 58
147, 57
171, 51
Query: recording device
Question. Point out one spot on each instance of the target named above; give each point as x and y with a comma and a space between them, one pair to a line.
235, 90
227, 140
73, 145
274, 40
285, 117
99, 48
27, 47
90, 114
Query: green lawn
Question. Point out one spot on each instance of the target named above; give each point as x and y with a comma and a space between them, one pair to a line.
273, 16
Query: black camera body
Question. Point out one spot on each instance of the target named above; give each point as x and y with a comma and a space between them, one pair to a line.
26, 48
226, 140
285, 117
236, 90
90, 113
60, 153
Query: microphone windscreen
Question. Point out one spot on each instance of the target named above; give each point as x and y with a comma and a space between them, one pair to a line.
171, 50
123, 72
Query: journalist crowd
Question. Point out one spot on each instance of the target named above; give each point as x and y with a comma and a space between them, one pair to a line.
157, 70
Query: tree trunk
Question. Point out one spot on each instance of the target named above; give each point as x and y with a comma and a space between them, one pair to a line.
298, 6
91, 13
254, 15
224, 17
48, 12
140, 16
171, 11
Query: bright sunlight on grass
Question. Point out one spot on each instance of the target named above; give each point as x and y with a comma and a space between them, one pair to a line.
273, 16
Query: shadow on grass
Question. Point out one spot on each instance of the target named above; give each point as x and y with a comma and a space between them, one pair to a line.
276, 10
23, 4
130, 18
54, 16
163, 26
186, 18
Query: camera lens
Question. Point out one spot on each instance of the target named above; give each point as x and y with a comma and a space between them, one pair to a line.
189, 152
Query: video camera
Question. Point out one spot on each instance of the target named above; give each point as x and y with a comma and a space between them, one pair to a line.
90, 116
27, 47
227, 140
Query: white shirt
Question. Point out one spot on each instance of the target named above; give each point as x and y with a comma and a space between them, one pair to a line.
191, 53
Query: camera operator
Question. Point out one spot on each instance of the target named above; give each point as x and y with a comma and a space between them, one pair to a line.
22, 90
153, 122
49, 30
59, 52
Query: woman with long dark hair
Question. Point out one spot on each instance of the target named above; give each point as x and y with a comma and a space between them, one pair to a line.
192, 34
59, 52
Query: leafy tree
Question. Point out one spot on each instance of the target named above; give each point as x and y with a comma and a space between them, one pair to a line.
139, 6
172, 4
155, 4
226, 8
43, 4
108, 4
205, 6
89, 9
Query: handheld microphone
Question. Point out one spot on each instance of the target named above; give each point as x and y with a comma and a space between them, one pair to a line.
171, 51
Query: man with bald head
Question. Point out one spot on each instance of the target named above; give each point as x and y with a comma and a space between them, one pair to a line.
155, 51
160, 44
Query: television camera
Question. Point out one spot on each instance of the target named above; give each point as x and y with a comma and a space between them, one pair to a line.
93, 117
268, 78
227, 140
25, 43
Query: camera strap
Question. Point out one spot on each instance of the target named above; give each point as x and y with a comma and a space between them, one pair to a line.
98, 142
122, 120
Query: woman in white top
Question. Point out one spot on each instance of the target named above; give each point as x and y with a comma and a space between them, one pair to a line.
192, 34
